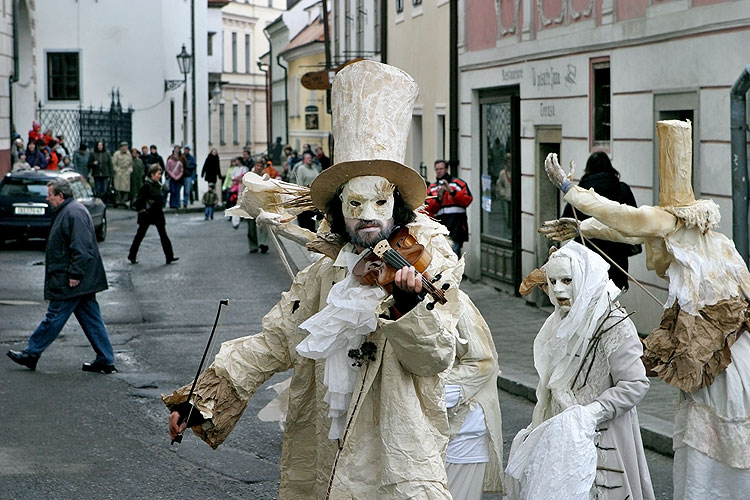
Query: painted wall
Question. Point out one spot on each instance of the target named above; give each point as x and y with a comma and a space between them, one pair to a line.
658, 53
424, 25
245, 87
118, 50
301, 61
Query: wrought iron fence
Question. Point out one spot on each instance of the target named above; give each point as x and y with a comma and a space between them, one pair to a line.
89, 125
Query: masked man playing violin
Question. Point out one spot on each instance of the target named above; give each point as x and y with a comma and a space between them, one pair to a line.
366, 416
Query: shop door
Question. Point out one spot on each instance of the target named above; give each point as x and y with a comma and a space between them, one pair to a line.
501, 189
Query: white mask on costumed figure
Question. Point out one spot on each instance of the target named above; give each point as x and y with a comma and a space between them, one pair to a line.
368, 197
560, 278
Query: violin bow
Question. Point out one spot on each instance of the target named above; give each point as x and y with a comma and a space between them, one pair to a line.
222, 302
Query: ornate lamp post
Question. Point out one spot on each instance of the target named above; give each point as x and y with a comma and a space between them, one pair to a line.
185, 62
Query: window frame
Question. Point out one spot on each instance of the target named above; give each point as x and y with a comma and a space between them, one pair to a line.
248, 124
49, 75
595, 65
234, 52
235, 124
210, 43
248, 68
222, 127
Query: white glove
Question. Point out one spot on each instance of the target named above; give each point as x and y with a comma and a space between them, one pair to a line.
556, 174
267, 218
562, 229
597, 412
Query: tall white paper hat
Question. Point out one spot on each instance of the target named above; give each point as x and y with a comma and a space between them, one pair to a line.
372, 106
675, 163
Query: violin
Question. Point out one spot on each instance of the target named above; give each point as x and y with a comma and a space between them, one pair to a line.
379, 264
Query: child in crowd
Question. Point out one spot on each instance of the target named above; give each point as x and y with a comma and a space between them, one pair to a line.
209, 201
22, 164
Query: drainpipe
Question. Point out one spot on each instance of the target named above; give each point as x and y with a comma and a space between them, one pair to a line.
286, 97
738, 127
269, 104
383, 31
453, 88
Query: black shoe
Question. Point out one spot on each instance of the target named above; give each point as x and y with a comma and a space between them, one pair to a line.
24, 358
132, 260
253, 250
264, 249
98, 368
173, 259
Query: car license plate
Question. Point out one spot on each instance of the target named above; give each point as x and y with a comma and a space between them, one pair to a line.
29, 210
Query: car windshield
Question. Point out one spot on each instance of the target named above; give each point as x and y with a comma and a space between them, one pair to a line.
24, 188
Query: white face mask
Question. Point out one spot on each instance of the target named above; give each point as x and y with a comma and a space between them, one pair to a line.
368, 197
560, 277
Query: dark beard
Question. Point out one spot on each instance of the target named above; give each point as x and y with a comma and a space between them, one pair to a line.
370, 239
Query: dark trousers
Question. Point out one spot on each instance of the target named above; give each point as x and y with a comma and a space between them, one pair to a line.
166, 245
86, 310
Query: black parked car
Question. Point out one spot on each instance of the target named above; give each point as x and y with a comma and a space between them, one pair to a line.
25, 213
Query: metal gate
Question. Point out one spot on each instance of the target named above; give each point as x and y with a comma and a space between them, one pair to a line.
89, 125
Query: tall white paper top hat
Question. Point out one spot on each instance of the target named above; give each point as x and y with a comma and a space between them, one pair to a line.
372, 106
675, 163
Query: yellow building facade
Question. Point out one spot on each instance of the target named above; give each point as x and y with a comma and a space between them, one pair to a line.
418, 44
308, 119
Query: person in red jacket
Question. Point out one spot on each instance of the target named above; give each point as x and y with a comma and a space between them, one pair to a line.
447, 199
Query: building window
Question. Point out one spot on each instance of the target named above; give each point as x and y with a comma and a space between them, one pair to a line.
210, 43
311, 117
234, 52
337, 30
222, 130
63, 79
361, 13
210, 128
399, 5
247, 53
248, 126
600, 106
171, 121
235, 131
347, 28
376, 23
416, 2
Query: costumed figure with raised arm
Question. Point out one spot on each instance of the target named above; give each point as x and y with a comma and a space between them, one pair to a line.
699, 347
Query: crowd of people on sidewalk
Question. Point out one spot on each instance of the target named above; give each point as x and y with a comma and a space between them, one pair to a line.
116, 177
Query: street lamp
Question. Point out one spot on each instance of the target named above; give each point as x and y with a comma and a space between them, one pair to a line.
184, 61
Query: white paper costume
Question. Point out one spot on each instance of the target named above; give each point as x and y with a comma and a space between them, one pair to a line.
474, 458
586, 353
388, 415
698, 347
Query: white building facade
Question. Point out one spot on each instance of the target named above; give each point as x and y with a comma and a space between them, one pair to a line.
79, 53
237, 85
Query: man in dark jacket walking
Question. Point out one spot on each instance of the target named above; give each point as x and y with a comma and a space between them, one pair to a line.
74, 273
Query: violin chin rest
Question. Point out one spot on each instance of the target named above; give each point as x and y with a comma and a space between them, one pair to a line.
446, 286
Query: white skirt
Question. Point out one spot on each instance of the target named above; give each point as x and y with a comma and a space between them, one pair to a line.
712, 434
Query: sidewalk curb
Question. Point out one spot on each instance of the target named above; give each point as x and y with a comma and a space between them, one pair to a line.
656, 433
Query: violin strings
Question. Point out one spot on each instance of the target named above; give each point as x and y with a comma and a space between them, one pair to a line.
395, 259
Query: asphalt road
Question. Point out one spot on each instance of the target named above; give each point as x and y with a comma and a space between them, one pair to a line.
74, 435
